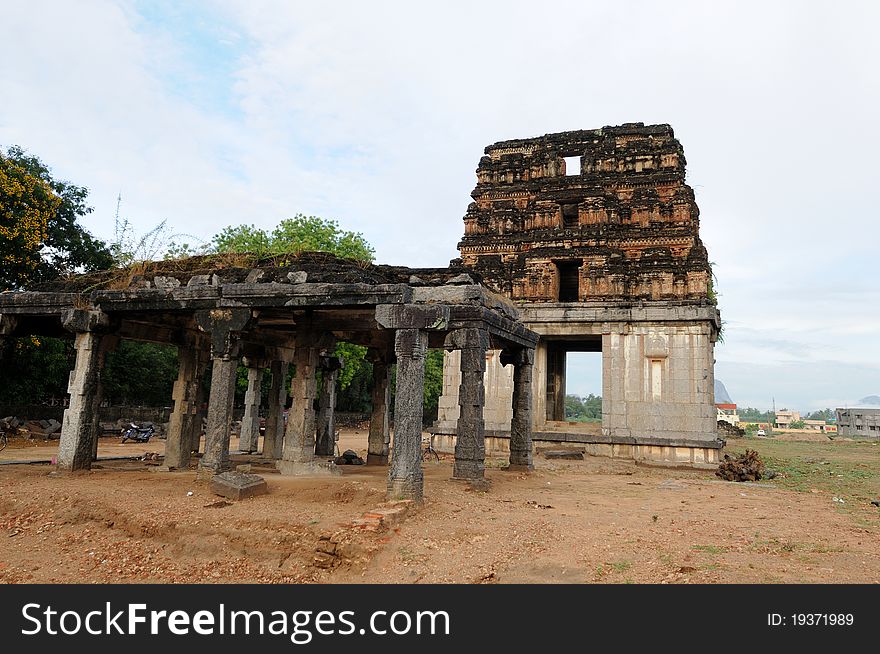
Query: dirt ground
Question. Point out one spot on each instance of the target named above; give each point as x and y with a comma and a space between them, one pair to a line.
588, 521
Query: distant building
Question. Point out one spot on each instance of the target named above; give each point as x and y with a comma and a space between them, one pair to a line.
859, 422
784, 418
819, 425
727, 413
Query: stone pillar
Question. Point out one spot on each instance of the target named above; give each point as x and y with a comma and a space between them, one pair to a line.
325, 442
470, 443
79, 429
225, 326
7, 329
298, 453
194, 422
249, 437
223, 375
178, 443
274, 437
521, 423
380, 435
405, 477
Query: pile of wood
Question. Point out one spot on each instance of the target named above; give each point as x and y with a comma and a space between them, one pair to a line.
745, 467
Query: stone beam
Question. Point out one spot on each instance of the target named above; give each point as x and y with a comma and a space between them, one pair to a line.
412, 316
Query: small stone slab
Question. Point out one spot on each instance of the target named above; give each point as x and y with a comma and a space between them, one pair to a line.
307, 468
238, 485
166, 283
199, 280
564, 454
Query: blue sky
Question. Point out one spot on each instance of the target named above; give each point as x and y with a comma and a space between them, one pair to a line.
207, 114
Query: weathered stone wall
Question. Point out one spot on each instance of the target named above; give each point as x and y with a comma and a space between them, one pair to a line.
498, 382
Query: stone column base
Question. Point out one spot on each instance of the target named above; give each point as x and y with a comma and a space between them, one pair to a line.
410, 488
377, 459
307, 468
481, 484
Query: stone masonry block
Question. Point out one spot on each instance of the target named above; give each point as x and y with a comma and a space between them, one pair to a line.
238, 485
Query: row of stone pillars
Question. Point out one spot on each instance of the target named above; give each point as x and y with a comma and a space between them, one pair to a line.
405, 478
295, 448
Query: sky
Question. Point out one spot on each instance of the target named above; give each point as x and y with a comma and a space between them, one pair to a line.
207, 114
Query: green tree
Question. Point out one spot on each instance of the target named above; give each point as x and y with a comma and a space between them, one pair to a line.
40, 238
34, 370
824, 414
586, 409
293, 235
140, 374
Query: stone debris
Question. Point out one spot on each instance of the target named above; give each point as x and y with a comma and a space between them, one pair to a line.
335, 549
463, 278
238, 485
746, 467
385, 516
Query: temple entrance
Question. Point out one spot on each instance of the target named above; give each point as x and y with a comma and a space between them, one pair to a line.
584, 355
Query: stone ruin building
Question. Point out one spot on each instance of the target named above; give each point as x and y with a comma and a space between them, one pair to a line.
270, 316
595, 236
607, 259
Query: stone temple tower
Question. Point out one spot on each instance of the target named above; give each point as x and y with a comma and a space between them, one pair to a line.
595, 235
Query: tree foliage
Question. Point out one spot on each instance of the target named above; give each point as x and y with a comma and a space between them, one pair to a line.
750, 414
40, 238
34, 370
293, 235
140, 374
583, 409
828, 415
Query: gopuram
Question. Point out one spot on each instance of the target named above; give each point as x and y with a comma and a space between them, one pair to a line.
595, 236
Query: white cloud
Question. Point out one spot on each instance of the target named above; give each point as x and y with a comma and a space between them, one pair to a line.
377, 113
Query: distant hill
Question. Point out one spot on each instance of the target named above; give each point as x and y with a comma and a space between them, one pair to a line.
871, 399
721, 394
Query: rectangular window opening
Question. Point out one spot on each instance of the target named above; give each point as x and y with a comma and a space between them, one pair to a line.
569, 215
569, 280
572, 166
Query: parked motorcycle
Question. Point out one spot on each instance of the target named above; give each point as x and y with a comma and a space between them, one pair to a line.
137, 433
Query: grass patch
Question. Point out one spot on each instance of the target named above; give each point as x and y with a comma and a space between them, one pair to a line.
710, 549
849, 470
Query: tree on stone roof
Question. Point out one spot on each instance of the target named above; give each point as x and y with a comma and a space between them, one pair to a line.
292, 236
